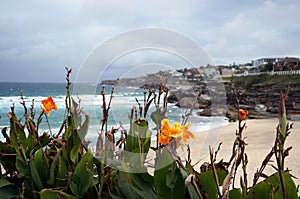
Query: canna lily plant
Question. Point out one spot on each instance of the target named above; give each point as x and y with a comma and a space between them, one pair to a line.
60, 165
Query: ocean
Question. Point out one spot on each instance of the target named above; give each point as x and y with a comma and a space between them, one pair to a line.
91, 102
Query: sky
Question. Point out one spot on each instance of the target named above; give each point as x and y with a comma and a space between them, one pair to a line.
39, 38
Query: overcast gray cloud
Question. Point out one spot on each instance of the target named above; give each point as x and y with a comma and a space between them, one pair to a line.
39, 38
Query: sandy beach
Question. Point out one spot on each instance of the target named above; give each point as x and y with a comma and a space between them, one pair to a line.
260, 135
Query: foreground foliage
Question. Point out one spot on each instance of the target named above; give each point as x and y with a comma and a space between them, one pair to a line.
61, 166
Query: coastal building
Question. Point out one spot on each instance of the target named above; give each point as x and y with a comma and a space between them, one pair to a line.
208, 71
227, 71
277, 62
289, 61
262, 61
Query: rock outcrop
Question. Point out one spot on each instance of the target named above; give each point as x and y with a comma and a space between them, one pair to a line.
258, 94
261, 101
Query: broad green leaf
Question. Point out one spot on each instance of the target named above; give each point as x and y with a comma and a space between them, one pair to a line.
41, 165
8, 162
85, 127
67, 133
191, 190
138, 143
17, 134
147, 177
289, 185
74, 153
221, 175
58, 170
168, 180
5, 148
157, 116
126, 186
62, 172
29, 191
53, 172
55, 194
4, 182
272, 187
74, 144
209, 184
136, 131
8, 190
140, 183
235, 194
35, 175
261, 190
22, 166
44, 140
82, 177
190, 168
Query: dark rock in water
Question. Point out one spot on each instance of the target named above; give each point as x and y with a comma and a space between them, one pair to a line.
188, 102
178, 97
172, 98
188, 99
193, 102
213, 111
203, 103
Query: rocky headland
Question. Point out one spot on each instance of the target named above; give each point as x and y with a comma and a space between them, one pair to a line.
258, 94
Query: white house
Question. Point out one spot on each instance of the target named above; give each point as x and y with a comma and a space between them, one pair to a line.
263, 61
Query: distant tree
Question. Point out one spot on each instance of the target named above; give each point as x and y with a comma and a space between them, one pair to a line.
285, 67
269, 66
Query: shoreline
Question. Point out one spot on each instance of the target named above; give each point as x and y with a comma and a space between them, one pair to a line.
260, 137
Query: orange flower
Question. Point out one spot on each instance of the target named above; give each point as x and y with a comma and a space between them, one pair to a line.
163, 139
168, 132
49, 104
243, 114
186, 134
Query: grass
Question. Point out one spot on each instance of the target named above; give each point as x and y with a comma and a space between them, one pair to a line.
251, 81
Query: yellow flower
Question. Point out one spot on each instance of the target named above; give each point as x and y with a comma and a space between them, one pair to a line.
168, 132
49, 104
243, 114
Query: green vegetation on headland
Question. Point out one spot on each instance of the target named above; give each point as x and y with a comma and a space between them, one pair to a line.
252, 81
